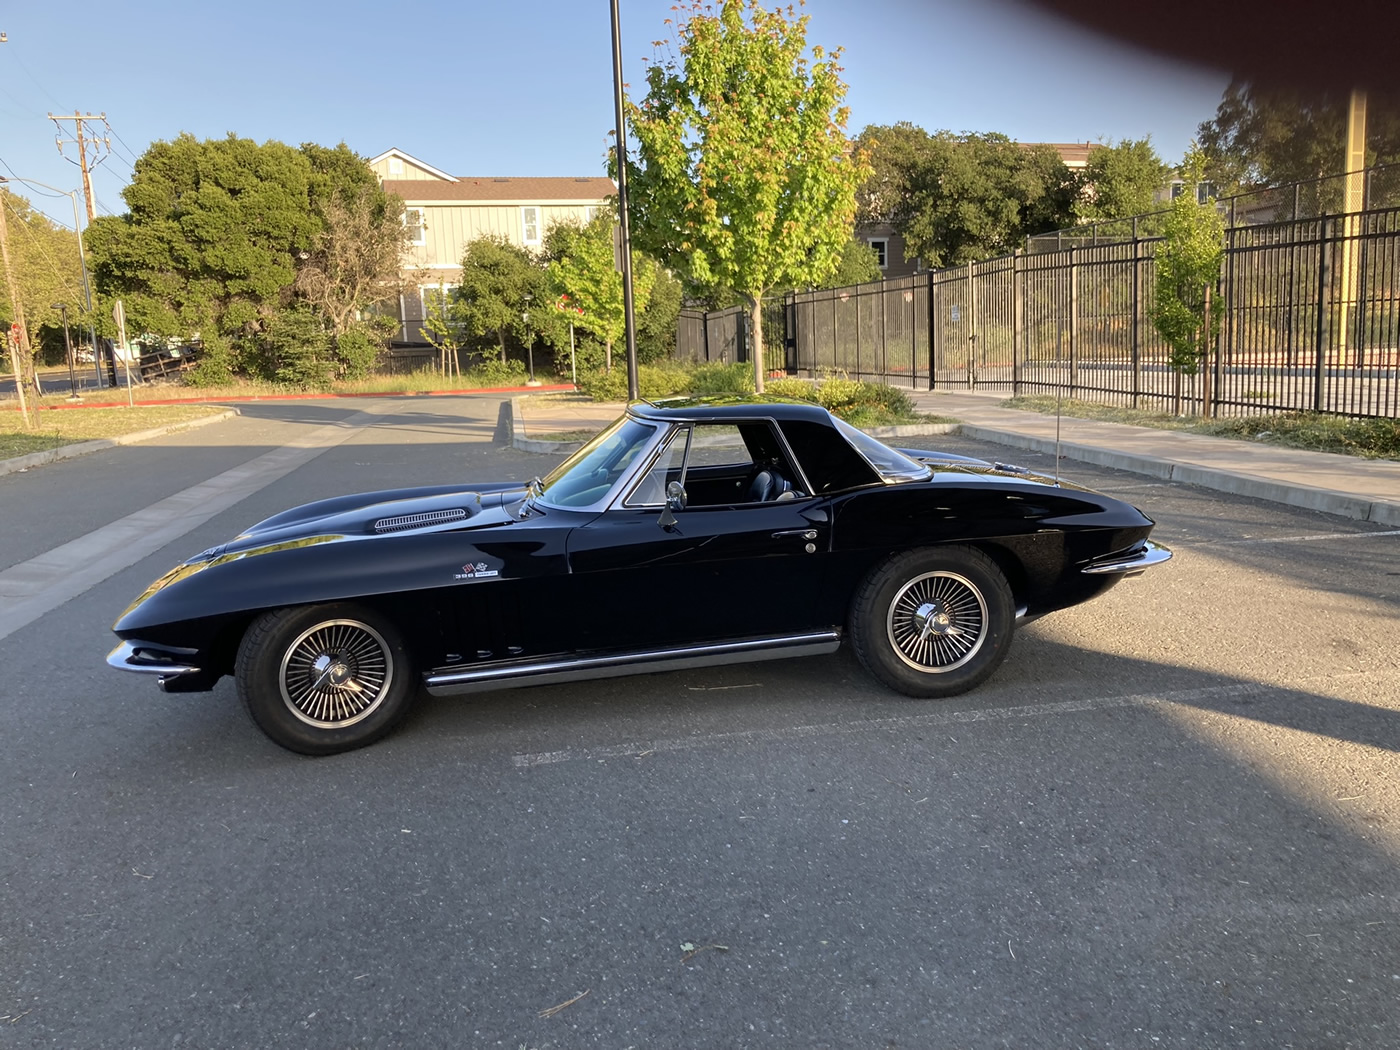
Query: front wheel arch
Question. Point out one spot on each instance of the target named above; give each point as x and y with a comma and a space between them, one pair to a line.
933, 622
320, 679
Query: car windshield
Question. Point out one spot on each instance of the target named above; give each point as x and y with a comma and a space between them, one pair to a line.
891, 465
585, 477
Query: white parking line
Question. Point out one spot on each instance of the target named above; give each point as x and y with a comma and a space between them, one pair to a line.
1296, 539
995, 714
32, 588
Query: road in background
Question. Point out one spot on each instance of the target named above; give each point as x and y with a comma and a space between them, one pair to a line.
1171, 818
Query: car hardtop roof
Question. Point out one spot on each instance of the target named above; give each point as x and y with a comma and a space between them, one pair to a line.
728, 406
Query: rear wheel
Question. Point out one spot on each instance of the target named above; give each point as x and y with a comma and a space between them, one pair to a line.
933, 622
324, 678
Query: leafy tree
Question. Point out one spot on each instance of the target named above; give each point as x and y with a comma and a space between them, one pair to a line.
1122, 180
1188, 264
656, 325
1263, 136
353, 266
356, 257
859, 264
895, 152
499, 283
744, 177
44, 261
211, 236
976, 196
582, 266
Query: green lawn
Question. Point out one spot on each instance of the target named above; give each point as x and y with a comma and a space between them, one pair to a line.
69, 426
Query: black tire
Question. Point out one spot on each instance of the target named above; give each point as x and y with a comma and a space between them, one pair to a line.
933, 622
320, 679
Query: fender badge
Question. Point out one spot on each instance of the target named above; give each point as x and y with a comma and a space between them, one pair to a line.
478, 571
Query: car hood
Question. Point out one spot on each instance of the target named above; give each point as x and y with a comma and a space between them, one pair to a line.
388, 512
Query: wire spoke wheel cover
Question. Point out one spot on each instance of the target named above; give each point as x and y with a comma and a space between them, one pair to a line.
937, 622
336, 673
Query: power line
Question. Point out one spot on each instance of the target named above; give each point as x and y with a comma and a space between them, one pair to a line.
41, 192
79, 121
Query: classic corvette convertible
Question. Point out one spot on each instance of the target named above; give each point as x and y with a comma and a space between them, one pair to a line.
772, 528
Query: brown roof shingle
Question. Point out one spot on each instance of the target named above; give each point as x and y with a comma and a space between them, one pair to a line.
487, 188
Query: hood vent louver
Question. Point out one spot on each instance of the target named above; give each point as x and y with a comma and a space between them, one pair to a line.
414, 521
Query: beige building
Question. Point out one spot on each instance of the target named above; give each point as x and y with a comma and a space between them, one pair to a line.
445, 212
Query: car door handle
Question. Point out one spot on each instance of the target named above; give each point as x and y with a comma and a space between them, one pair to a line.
806, 534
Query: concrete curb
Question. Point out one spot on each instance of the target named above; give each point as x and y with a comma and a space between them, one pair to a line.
1344, 504
516, 429
82, 448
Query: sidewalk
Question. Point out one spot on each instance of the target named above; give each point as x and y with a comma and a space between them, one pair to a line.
1368, 490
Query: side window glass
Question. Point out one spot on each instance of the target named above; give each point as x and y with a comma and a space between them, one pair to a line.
651, 490
719, 445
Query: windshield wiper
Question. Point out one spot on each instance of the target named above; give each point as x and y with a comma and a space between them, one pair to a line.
534, 489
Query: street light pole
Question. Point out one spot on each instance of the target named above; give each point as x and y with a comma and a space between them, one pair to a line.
62, 309
629, 319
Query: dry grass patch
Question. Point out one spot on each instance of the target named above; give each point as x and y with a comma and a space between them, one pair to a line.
70, 426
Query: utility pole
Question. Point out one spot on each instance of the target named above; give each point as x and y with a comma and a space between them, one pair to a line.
83, 141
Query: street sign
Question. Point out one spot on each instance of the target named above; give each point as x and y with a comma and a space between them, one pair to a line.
119, 315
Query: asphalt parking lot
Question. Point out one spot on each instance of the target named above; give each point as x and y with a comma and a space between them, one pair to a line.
1171, 819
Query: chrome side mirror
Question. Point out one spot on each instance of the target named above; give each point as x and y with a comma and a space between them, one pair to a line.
675, 496
675, 500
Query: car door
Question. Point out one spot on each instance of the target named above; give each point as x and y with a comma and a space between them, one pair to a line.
728, 569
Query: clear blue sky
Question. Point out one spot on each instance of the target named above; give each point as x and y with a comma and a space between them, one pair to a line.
525, 88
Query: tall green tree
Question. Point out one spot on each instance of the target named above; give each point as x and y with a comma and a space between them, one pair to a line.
211, 238
744, 177
44, 261
582, 266
1122, 180
1188, 275
500, 283
1267, 136
975, 196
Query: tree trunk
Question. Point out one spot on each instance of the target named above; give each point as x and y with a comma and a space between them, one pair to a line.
756, 351
607, 355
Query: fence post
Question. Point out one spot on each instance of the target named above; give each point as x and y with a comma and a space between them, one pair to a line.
1073, 323
1018, 320
932, 334
971, 329
1137, 319
1224, 356
1324, 282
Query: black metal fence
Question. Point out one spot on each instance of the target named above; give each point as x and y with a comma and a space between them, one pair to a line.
1311, 322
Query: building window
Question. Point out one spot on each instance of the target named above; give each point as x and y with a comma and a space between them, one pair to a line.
1206, 191
881, 248
591, 212
395, 165
435, 296
413, 222
530, 225
1178, 188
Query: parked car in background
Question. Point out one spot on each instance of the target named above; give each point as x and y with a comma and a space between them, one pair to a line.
691, 531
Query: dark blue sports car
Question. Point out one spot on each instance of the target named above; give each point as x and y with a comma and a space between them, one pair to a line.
772, 528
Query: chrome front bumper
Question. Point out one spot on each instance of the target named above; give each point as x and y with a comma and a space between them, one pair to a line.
1133, 563
146, 658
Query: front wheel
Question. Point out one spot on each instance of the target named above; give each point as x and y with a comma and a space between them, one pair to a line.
934, 622
324, 678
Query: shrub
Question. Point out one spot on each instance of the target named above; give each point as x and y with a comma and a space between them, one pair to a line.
358, 352
215, 364
494, 372
802, 389
735, 378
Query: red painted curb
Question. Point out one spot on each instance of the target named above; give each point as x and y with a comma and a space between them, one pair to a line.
552, 389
